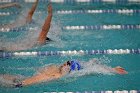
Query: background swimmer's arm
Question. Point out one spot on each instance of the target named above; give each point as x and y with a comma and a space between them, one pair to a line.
10, 5
46, 26
32, 10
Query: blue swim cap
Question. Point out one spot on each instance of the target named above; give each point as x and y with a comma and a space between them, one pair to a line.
75, 65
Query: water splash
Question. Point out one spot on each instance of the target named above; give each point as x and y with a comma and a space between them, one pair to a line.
54, 34
93, 66
9, 80
104, 59
28, 39
21, 42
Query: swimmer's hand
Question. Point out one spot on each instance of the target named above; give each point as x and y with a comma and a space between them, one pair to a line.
120, 70
50, 9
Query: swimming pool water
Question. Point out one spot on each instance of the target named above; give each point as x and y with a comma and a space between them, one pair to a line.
77, 40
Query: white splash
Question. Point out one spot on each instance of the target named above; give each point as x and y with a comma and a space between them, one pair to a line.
93, 66
29, 38
9, 80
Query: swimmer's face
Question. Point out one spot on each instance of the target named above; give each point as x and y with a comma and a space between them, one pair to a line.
65, 68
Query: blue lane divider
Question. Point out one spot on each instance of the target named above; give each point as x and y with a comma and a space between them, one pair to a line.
8, 13
8, 1
17, 29
92, 27
103, 27
117, 91
88, 1
69, 52
113, 11
77, 1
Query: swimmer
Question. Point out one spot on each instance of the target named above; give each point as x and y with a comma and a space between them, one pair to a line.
54, 72
41, 38
10, 5
23, 21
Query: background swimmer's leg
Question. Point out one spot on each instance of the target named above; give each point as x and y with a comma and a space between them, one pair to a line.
46, 27
120, 70
10, 5
31, 12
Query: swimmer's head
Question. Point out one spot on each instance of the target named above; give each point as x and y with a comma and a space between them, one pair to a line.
74, 65
65, 68
69, 66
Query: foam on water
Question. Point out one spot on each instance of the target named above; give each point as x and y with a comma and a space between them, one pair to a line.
18, 22
28, 39
93, 66
8, 80
21, 42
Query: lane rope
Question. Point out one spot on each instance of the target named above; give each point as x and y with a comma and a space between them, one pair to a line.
77, 1
100, 11
103, 27
17, 29
88, 1
8, 13
117, 11
69, 52
91, 27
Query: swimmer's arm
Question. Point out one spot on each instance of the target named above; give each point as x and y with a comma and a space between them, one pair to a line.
39, 78
32, 10
10, 5
33, 80
46, 27
119, 70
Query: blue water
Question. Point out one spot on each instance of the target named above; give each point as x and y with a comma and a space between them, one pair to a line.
77, 40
